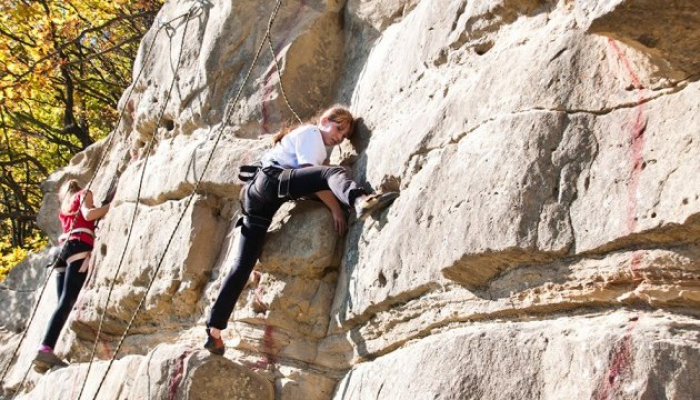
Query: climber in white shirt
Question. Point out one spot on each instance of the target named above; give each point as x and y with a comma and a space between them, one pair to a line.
292, 169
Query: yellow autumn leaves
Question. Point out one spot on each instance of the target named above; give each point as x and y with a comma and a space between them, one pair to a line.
63, 66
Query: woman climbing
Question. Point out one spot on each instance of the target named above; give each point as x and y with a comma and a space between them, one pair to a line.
292, 169
77, 215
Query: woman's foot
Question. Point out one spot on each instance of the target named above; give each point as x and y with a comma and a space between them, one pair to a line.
46, 359
214, 344
370, 204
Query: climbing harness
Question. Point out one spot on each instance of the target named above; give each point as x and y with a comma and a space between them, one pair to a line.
66, 235
246, 173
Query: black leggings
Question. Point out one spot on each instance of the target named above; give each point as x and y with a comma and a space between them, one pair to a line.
68, 285
260, 201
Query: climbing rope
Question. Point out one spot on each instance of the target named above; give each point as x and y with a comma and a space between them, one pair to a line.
191, 196
48, 275
279, 71
227, 116
24, 333
188, 15
87, 188
26, 373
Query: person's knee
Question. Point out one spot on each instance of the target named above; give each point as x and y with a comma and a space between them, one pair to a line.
336, 172
66, 304
337, 169
254, 226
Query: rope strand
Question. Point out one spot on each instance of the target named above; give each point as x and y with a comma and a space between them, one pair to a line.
87, 188
138, 197
279, 71
24, 334
226, 118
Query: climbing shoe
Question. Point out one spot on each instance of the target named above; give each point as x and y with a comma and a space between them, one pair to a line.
45, 360
214, 345
373, 203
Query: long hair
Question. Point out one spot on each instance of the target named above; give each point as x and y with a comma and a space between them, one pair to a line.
65, 195
336, 113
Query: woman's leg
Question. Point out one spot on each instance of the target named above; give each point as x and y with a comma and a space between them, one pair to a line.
72, 283
60, 281
249, 249
306, 181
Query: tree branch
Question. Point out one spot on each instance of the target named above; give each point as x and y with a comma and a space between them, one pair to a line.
19, 216
79, 37
15, 38
26, 158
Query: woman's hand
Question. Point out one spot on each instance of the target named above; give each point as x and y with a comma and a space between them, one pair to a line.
88, 209
339, 221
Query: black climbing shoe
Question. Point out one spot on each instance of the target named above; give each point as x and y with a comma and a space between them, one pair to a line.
214, 345
45, 360
373, 203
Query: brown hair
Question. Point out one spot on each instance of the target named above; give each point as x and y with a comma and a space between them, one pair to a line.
65, 195
336, 113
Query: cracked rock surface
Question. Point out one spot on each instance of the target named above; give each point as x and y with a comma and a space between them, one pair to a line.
544, 245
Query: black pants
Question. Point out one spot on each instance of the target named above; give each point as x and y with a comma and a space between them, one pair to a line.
68, 286
260, 201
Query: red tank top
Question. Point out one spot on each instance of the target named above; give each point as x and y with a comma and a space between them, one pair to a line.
80, 221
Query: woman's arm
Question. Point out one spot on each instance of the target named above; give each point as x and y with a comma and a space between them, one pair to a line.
90, 212
328, 198
339, 220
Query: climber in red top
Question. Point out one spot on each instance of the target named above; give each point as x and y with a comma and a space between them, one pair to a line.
292, 169
77, 215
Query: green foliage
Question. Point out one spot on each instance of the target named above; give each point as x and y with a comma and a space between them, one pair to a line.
63, 66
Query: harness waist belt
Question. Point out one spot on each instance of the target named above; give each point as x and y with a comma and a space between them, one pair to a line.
283, 188
80, 256
248, 172
65, 235
282, 175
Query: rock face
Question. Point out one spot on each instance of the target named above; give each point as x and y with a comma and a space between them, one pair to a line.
544, 246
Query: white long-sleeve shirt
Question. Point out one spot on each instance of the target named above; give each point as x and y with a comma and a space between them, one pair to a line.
303, 145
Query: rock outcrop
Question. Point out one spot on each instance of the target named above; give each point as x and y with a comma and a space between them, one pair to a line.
544, 246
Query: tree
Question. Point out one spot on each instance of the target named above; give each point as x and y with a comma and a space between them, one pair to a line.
63, 67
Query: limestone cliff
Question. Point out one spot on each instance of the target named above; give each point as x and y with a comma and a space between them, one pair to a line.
544, 246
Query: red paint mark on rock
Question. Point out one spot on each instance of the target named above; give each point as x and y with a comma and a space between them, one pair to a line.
268, 343
177, 375
620, 363
636, 138
268, 348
